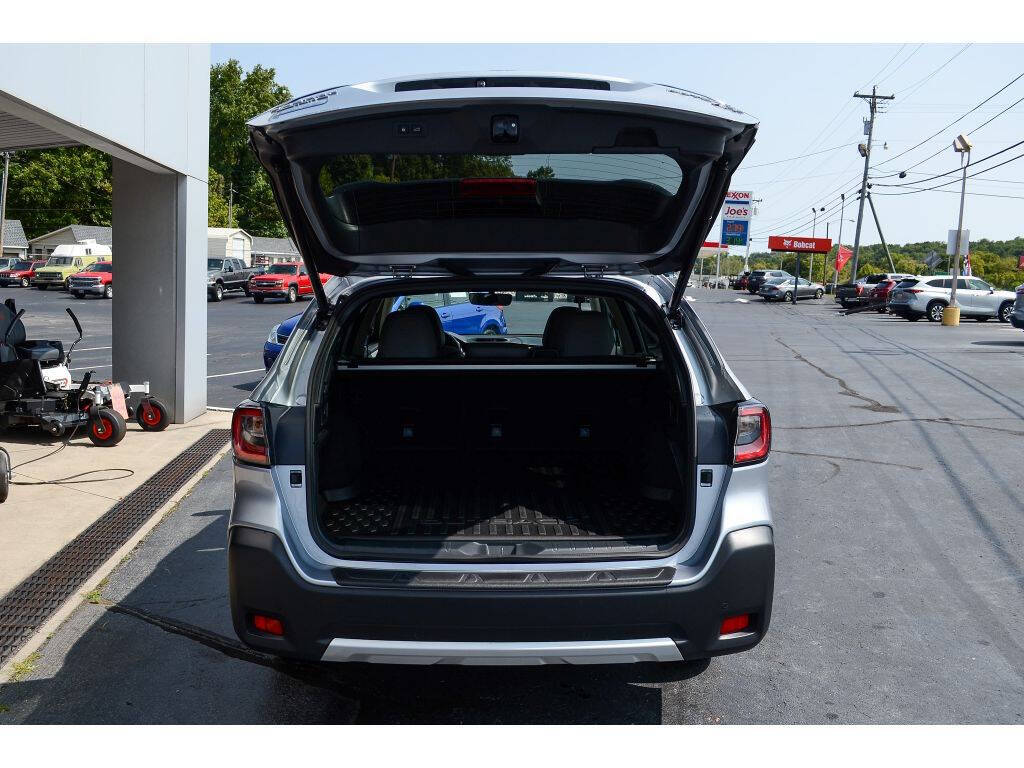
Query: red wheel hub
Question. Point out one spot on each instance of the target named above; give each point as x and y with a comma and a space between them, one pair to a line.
150, 415
101, 427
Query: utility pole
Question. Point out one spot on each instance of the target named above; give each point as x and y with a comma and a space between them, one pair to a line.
874, 213
3, 199
872, 100
231, 204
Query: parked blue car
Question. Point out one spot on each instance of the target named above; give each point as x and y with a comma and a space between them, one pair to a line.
278, 336
457, 314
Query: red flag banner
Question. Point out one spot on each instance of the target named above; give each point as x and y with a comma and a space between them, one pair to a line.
842, 256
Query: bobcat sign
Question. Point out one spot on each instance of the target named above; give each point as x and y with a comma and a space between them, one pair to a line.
799, 244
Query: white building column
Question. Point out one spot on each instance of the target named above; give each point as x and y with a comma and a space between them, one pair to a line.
159, 305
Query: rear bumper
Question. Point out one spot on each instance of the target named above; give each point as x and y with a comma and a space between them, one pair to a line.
1017, 319
501, 626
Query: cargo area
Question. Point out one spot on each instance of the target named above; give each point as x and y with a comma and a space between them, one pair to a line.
428, 463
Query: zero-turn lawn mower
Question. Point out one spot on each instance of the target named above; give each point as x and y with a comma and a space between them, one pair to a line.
36, 388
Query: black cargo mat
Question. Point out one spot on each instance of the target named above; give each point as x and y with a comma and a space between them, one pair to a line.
543, 501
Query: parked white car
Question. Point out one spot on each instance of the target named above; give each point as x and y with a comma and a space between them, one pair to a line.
918, 297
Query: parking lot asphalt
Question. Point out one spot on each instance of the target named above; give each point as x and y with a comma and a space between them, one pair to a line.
899, 504
236, 330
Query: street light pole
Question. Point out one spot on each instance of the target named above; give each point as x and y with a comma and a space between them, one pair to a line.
961, 145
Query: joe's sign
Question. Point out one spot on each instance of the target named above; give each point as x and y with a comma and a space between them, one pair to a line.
799, 244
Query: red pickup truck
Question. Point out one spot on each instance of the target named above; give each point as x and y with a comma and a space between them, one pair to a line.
287, 281
20, 273
97, 280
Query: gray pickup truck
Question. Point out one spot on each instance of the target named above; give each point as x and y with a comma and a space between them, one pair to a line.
223, 275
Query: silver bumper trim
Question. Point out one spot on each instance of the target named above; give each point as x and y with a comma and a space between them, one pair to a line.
572, 652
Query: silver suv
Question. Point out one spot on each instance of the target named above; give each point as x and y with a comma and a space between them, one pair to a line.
588, 486
917, 297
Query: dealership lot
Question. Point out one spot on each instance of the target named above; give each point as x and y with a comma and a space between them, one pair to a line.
237, 328
899, 504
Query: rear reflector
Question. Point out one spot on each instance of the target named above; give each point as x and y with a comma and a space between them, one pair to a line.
248, 437
267, 624
512, 187
753, 434
735, 624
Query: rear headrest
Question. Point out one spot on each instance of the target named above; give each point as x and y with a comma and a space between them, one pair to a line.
554, 328
411, 332
585, 334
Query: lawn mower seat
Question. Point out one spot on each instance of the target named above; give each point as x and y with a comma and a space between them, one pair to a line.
20, 348
41, 350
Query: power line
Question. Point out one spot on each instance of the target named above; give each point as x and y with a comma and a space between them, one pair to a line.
916, 190
954, 170
934, 72
798, 157
902, 63
950, 125
972, 131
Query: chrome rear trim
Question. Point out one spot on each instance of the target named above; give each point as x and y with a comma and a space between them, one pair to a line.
502, 654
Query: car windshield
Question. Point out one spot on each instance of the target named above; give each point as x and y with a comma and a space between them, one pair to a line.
60, 261
21, 265
101, 266
281, 269
214, 265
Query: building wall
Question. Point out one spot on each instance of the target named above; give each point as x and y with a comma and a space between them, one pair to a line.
44, 246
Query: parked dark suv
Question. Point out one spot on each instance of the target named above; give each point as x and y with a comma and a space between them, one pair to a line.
587, 487
758, 276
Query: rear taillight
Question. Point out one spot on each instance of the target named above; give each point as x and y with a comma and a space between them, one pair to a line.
248, 437
912, 290
753, 434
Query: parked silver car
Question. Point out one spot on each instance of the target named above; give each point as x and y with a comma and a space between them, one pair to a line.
917, 297
590, 487
782, 288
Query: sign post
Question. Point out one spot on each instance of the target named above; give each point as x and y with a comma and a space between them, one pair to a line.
798, 245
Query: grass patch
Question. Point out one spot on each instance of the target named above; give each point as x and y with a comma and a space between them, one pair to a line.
25, 668
96, 595
4, 709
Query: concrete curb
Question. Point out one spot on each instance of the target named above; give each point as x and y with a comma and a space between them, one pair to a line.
36, 641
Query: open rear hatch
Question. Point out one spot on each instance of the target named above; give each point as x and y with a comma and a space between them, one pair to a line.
501, 174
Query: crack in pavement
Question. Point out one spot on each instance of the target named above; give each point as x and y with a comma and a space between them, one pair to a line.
827, 456
933, 420
304, 672
872, 404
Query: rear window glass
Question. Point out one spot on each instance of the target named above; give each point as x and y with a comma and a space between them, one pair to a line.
618, 202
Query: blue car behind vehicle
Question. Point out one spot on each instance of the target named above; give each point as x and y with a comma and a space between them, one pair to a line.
457, 314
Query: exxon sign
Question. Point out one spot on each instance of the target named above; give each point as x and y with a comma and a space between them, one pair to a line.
738, 206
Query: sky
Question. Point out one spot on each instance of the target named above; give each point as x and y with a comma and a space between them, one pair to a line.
802, 95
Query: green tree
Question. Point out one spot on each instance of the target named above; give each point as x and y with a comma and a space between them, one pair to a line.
542, 172
217, 205
237, 96
51, 188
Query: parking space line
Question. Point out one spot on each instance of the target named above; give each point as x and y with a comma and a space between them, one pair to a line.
236, 373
